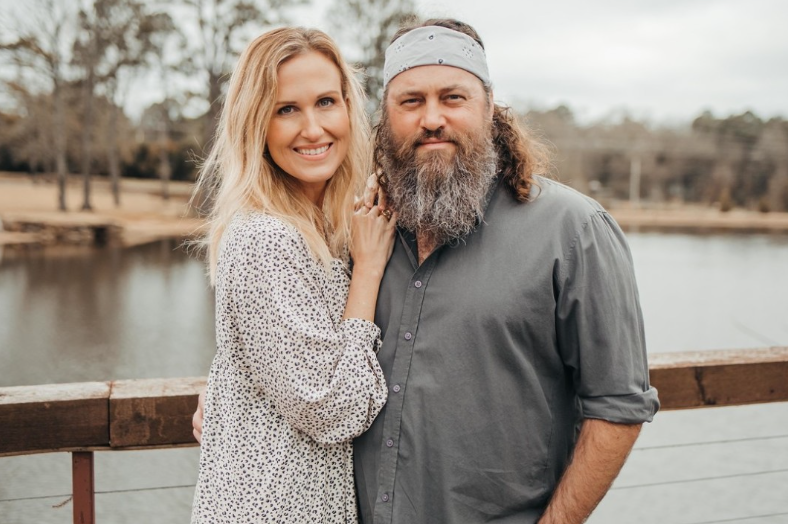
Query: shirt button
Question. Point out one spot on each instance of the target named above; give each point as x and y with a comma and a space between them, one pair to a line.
417, 283
408, 335
396, 388
390, 443
384, 497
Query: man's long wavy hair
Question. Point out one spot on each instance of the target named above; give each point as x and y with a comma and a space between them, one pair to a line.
520, 155
241, 176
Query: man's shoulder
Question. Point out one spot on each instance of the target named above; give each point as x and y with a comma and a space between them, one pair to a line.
557, 196
553, 203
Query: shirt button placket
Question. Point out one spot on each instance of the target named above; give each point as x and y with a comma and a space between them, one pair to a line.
396, 388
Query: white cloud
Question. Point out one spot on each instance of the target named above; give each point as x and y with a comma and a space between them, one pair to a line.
667, 60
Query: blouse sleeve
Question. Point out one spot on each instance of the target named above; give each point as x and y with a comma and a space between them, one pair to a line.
324, 379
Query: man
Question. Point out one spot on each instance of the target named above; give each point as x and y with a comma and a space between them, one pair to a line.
513, 342
509, 310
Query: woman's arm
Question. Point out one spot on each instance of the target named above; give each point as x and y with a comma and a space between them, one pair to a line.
371, 244
322, 378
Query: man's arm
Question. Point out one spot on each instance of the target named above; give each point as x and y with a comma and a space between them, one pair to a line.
197, 417
601, 450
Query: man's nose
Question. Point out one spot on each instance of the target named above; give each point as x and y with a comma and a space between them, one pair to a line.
433, 117
312, 129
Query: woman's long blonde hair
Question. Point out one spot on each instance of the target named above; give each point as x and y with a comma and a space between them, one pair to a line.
239, 174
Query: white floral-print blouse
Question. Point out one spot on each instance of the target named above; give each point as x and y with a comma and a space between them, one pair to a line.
291, 384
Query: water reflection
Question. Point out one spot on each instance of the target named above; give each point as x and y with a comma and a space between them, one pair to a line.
712, 292
78, 314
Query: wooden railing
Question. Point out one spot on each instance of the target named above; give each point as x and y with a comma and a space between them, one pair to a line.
152, 414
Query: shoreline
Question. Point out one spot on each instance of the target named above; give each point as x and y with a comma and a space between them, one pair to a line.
29, 215
698, 220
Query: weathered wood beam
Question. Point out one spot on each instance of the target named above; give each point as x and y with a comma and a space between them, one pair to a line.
53, 417
720, 378
152, 412
156, 413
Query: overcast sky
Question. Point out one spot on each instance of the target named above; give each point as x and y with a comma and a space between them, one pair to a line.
662, 60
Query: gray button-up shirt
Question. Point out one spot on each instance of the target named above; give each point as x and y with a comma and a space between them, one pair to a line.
494, 351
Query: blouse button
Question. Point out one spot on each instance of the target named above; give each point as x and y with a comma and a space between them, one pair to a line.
396, 388
384, 497
417, 283
390, 443
408, 335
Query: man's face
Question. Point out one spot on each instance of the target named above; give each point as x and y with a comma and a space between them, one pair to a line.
429, 106
437, 151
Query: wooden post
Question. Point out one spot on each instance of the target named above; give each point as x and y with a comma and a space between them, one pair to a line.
83, 487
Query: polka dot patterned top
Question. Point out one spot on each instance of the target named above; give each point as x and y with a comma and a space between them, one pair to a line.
291, 384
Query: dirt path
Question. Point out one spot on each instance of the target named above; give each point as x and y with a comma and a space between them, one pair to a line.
143, 215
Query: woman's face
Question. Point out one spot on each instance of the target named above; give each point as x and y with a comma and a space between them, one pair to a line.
309, 130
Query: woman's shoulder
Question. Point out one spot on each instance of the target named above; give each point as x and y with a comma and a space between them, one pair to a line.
259, 231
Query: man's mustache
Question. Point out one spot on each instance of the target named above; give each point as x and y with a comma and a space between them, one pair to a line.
424, 136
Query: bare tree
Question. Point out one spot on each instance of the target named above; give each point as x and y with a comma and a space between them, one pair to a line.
43, 41
225, 27
115, 36
367, 26
86, 57
30, 135
126, 34
168, 58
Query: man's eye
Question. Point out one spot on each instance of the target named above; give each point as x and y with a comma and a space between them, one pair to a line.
326, 102
285, 110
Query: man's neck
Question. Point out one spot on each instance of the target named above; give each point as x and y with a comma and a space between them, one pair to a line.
425, 245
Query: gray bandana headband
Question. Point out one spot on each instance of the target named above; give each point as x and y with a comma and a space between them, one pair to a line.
435, 45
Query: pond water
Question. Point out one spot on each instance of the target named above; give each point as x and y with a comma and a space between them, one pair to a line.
73, 315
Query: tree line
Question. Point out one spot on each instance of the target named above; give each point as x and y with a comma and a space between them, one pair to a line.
68, 70
738, 160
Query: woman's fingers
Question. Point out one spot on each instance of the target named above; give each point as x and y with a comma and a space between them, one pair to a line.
371, 190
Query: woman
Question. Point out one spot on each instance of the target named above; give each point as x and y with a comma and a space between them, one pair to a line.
295, 376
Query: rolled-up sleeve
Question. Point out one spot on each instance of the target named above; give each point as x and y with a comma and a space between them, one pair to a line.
322, 377
599, 325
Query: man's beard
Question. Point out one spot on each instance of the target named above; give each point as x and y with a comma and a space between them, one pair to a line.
439, 194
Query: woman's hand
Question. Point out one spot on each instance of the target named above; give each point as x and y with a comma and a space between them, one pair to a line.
373, 191
371, 244
372, 239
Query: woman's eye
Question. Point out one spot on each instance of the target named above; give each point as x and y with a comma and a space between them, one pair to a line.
285, 110
325, 102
